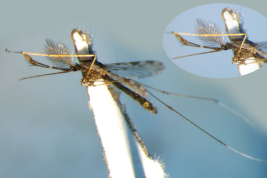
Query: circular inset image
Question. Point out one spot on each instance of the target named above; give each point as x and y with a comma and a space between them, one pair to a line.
217, 40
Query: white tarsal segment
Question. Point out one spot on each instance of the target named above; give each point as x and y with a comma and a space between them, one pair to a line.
80, 43
231, 22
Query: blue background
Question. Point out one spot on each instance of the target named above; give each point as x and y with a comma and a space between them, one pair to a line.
47, 129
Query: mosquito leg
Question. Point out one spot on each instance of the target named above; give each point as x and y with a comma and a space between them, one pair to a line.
187, 43
204, 98
195, 54
35, 63
38, 64
44, 75
238, 152
89, 70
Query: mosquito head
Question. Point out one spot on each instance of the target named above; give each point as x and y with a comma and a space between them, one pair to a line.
226, 46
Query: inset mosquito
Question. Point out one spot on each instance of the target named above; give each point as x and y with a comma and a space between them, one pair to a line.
248, 56
93, 70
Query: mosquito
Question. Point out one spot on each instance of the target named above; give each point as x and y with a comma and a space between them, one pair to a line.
92, 70
248, 56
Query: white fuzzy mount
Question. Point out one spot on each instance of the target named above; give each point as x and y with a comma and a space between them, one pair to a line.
249, 67
231, 22
80, 43
124, 154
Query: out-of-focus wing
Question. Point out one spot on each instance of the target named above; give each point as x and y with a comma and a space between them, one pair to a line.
138, 69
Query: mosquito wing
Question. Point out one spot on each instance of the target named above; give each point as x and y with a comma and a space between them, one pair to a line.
262, 46
53, 48
138, 69
209, 28
261, 49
